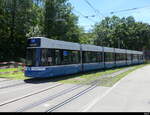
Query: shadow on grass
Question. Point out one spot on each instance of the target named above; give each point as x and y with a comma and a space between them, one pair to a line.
59, 78
66, 77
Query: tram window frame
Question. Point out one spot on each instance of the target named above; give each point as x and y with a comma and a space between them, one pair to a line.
58, 57
49, 54
121, 57
73, 57
129, 57
32, 56
109, 56
92, 57
76, 55
135, 57
141, 57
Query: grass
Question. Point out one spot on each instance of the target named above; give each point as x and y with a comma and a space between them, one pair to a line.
18, 75
110, 81
107, 82
81, 78
8, 69
77, 78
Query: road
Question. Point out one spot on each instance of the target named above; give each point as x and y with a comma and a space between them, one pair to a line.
130, 94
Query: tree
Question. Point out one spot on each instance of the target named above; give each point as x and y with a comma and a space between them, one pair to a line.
20, 19
122, 33
17, 17
60, 22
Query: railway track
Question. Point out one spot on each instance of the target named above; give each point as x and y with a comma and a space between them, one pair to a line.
93, 84
33, 81
31, 94
11, 85
49, 98
91, 87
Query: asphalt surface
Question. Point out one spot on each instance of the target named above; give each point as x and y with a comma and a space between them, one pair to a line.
130, 94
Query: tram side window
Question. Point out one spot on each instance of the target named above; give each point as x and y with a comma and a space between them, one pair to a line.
75, 57
70, 57
135, 57
51, 57
138, 56
141, 57
47, 57
124, 57
92, 57
98, 56
129, 57
109, 56
58, 57
86, 57
120, 57
65, 57
30, 57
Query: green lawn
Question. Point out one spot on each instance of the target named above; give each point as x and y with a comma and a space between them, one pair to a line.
18, 75
8, 69
91, 76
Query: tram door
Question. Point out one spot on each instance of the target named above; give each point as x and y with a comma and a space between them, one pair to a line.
33, 57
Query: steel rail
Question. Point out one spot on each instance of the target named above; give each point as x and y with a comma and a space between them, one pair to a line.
91, 87
30, 94
49, 98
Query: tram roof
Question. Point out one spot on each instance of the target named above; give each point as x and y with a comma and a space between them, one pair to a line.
117, 50
58, 44
86, 47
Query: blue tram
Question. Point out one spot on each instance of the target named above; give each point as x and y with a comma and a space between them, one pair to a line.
50, 58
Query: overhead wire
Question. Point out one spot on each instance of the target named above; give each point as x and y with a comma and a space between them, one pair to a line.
94, 9
86, 17
136, 8
97, 12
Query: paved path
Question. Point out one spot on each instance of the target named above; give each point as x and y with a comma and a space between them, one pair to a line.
131, 94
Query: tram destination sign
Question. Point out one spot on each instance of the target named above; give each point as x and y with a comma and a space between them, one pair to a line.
34, 42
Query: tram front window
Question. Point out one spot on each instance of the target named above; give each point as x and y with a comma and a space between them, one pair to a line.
31, 57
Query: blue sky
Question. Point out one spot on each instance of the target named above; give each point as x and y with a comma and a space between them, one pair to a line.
107, 6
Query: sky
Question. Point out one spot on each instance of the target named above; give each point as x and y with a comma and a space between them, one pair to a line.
104, 7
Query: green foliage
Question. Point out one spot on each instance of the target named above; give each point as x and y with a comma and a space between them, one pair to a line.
17, 17
60, 22
122, 33
87, 38
20, 19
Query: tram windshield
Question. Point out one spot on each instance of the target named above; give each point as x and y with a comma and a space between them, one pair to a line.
31, 57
